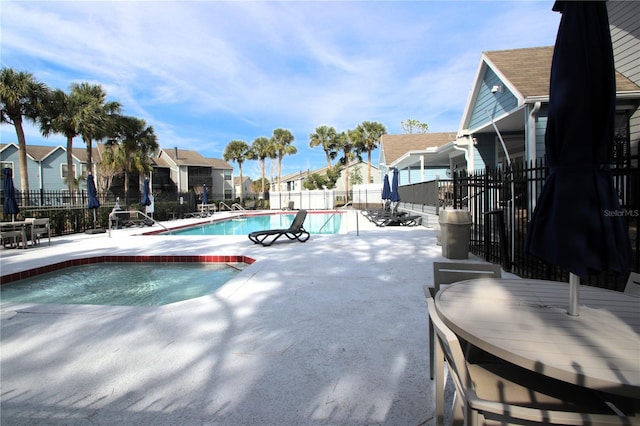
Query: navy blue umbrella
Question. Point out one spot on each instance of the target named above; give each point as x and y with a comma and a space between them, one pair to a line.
93, 202
205, 197
10, 204
394, 196
386, 189
145, 200
575, 225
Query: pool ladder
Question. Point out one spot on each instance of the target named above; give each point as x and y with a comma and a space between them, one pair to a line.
331, 217
113, 217
234, 206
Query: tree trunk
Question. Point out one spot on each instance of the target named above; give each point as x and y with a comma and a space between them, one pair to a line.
263, 176
346, 170
22, 158
279, 171
241, 189
89, 144
70, 169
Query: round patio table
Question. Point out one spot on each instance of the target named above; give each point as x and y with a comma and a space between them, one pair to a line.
525, 322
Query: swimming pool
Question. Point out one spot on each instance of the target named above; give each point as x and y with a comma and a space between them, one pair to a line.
315, 223
121, 283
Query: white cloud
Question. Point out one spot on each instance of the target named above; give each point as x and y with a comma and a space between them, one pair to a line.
206, 72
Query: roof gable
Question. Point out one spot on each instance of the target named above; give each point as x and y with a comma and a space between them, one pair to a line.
395, 146
184, 157
528, 71
525, 74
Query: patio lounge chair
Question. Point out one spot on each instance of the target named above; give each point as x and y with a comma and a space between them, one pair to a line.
294, 232
400, 220
504, 393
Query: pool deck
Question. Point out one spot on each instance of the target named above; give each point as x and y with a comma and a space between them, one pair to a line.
332, 331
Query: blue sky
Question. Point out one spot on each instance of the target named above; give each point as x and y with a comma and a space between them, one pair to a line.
204, 73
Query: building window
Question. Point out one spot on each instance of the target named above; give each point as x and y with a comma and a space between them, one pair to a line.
6, 165
85, 170
65, 170
622, 141
227, 174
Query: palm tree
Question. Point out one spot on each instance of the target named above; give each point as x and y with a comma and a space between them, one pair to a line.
63, 115
370, 134
282, 140
21, 96
325, 137
134, 142
348, 142
237, 151
96, 115
261, 149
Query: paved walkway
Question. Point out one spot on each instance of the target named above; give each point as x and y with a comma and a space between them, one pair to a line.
332, 331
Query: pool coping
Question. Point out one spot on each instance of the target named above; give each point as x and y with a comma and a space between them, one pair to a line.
28, 273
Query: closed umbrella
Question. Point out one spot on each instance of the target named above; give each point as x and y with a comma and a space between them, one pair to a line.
93, 202
386, 190
10, 204
145, 200
205, 197
394, 197
574, 225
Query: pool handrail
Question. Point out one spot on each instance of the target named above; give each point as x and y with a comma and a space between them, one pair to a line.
327, 221
113, 216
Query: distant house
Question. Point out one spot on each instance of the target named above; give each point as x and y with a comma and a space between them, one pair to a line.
247, 186
420, 157
173, 170
294, 181
183, 170
46, 166
510, 93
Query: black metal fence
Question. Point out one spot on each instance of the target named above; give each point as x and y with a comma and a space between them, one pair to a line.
501, 202
68, 212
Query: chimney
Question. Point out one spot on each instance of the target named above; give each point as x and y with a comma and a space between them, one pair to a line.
176, 150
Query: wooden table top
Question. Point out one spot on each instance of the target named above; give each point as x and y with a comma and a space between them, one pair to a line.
526, 323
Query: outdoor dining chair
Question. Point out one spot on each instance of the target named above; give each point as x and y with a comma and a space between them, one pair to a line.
39, 228
449, 273
633, 284
508, 394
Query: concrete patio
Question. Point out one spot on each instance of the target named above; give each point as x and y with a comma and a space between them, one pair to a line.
332, 331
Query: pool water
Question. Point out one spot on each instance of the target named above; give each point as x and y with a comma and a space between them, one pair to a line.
315, 223
121, 284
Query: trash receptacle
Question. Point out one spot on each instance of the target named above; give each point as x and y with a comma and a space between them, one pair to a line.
455, 231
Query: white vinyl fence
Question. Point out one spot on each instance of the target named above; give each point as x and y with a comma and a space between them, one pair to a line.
309, 200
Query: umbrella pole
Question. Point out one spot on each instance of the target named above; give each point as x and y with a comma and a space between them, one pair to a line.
574, 288
94, 218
